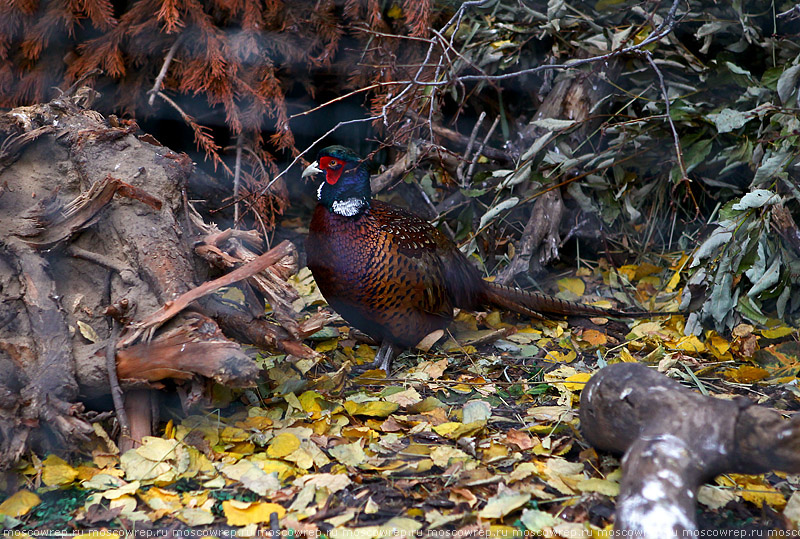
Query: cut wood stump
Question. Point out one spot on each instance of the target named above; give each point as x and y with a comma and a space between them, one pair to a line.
673, 440
94, 226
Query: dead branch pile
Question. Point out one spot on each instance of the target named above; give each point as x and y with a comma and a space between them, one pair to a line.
100, 251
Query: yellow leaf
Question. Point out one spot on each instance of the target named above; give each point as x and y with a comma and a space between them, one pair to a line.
283, 444
500, 506
603, 486
232, 434
689, 343
718, 346
454, 430
625, 356
327, 346
19, 504
646, 269
746, 374
162, 502
88, 332
576, 382
673, 281
628, 271
395, 12
244, 513
573, 284
258, 422
279, 467
309, 400
56, 472
365, 354
556, 356
371, 408
777, 332
761, 493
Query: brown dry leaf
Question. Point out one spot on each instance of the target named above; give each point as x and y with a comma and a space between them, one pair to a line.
521, 439
429, 340
594, 337
406, 398
332, 482
251, 477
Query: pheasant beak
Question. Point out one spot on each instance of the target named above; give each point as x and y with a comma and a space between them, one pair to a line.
311, 169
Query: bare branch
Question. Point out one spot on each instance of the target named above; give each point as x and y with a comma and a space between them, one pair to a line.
163, 73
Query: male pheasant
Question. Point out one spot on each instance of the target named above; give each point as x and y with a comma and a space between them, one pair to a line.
390, 273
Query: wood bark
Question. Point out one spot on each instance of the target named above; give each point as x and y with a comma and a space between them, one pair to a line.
574, 96
93, 225
673, 440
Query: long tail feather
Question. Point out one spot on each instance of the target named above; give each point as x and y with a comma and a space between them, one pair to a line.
540, 306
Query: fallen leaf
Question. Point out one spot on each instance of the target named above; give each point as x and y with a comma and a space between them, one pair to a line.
501, 505
240, 513
536, 521
349, 454
371, 408
283, 444
19, 504
56, 472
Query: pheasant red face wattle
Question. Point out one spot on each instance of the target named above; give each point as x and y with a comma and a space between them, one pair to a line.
333, 168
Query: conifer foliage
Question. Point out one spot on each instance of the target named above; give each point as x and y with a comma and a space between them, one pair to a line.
223, 66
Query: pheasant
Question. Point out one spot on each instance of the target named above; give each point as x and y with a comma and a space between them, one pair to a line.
391, 274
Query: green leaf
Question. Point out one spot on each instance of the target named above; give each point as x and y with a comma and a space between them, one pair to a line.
787, 83
768, 279
771, 164
728, 119
756, 199
751, 311
472, 193
494, 211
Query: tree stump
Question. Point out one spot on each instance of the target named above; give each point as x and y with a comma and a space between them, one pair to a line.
96, 231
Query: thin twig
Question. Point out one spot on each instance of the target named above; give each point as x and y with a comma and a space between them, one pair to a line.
341, 97
470, 143
479, 151
163, 73
301, 154
675, 137
237, 174
117, 396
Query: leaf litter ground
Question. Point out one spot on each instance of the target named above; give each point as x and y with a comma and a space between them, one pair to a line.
478, 435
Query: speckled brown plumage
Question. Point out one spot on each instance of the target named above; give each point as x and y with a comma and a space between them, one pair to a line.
388, 272
394, 276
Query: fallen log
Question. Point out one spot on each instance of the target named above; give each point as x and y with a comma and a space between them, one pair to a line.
673, 440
